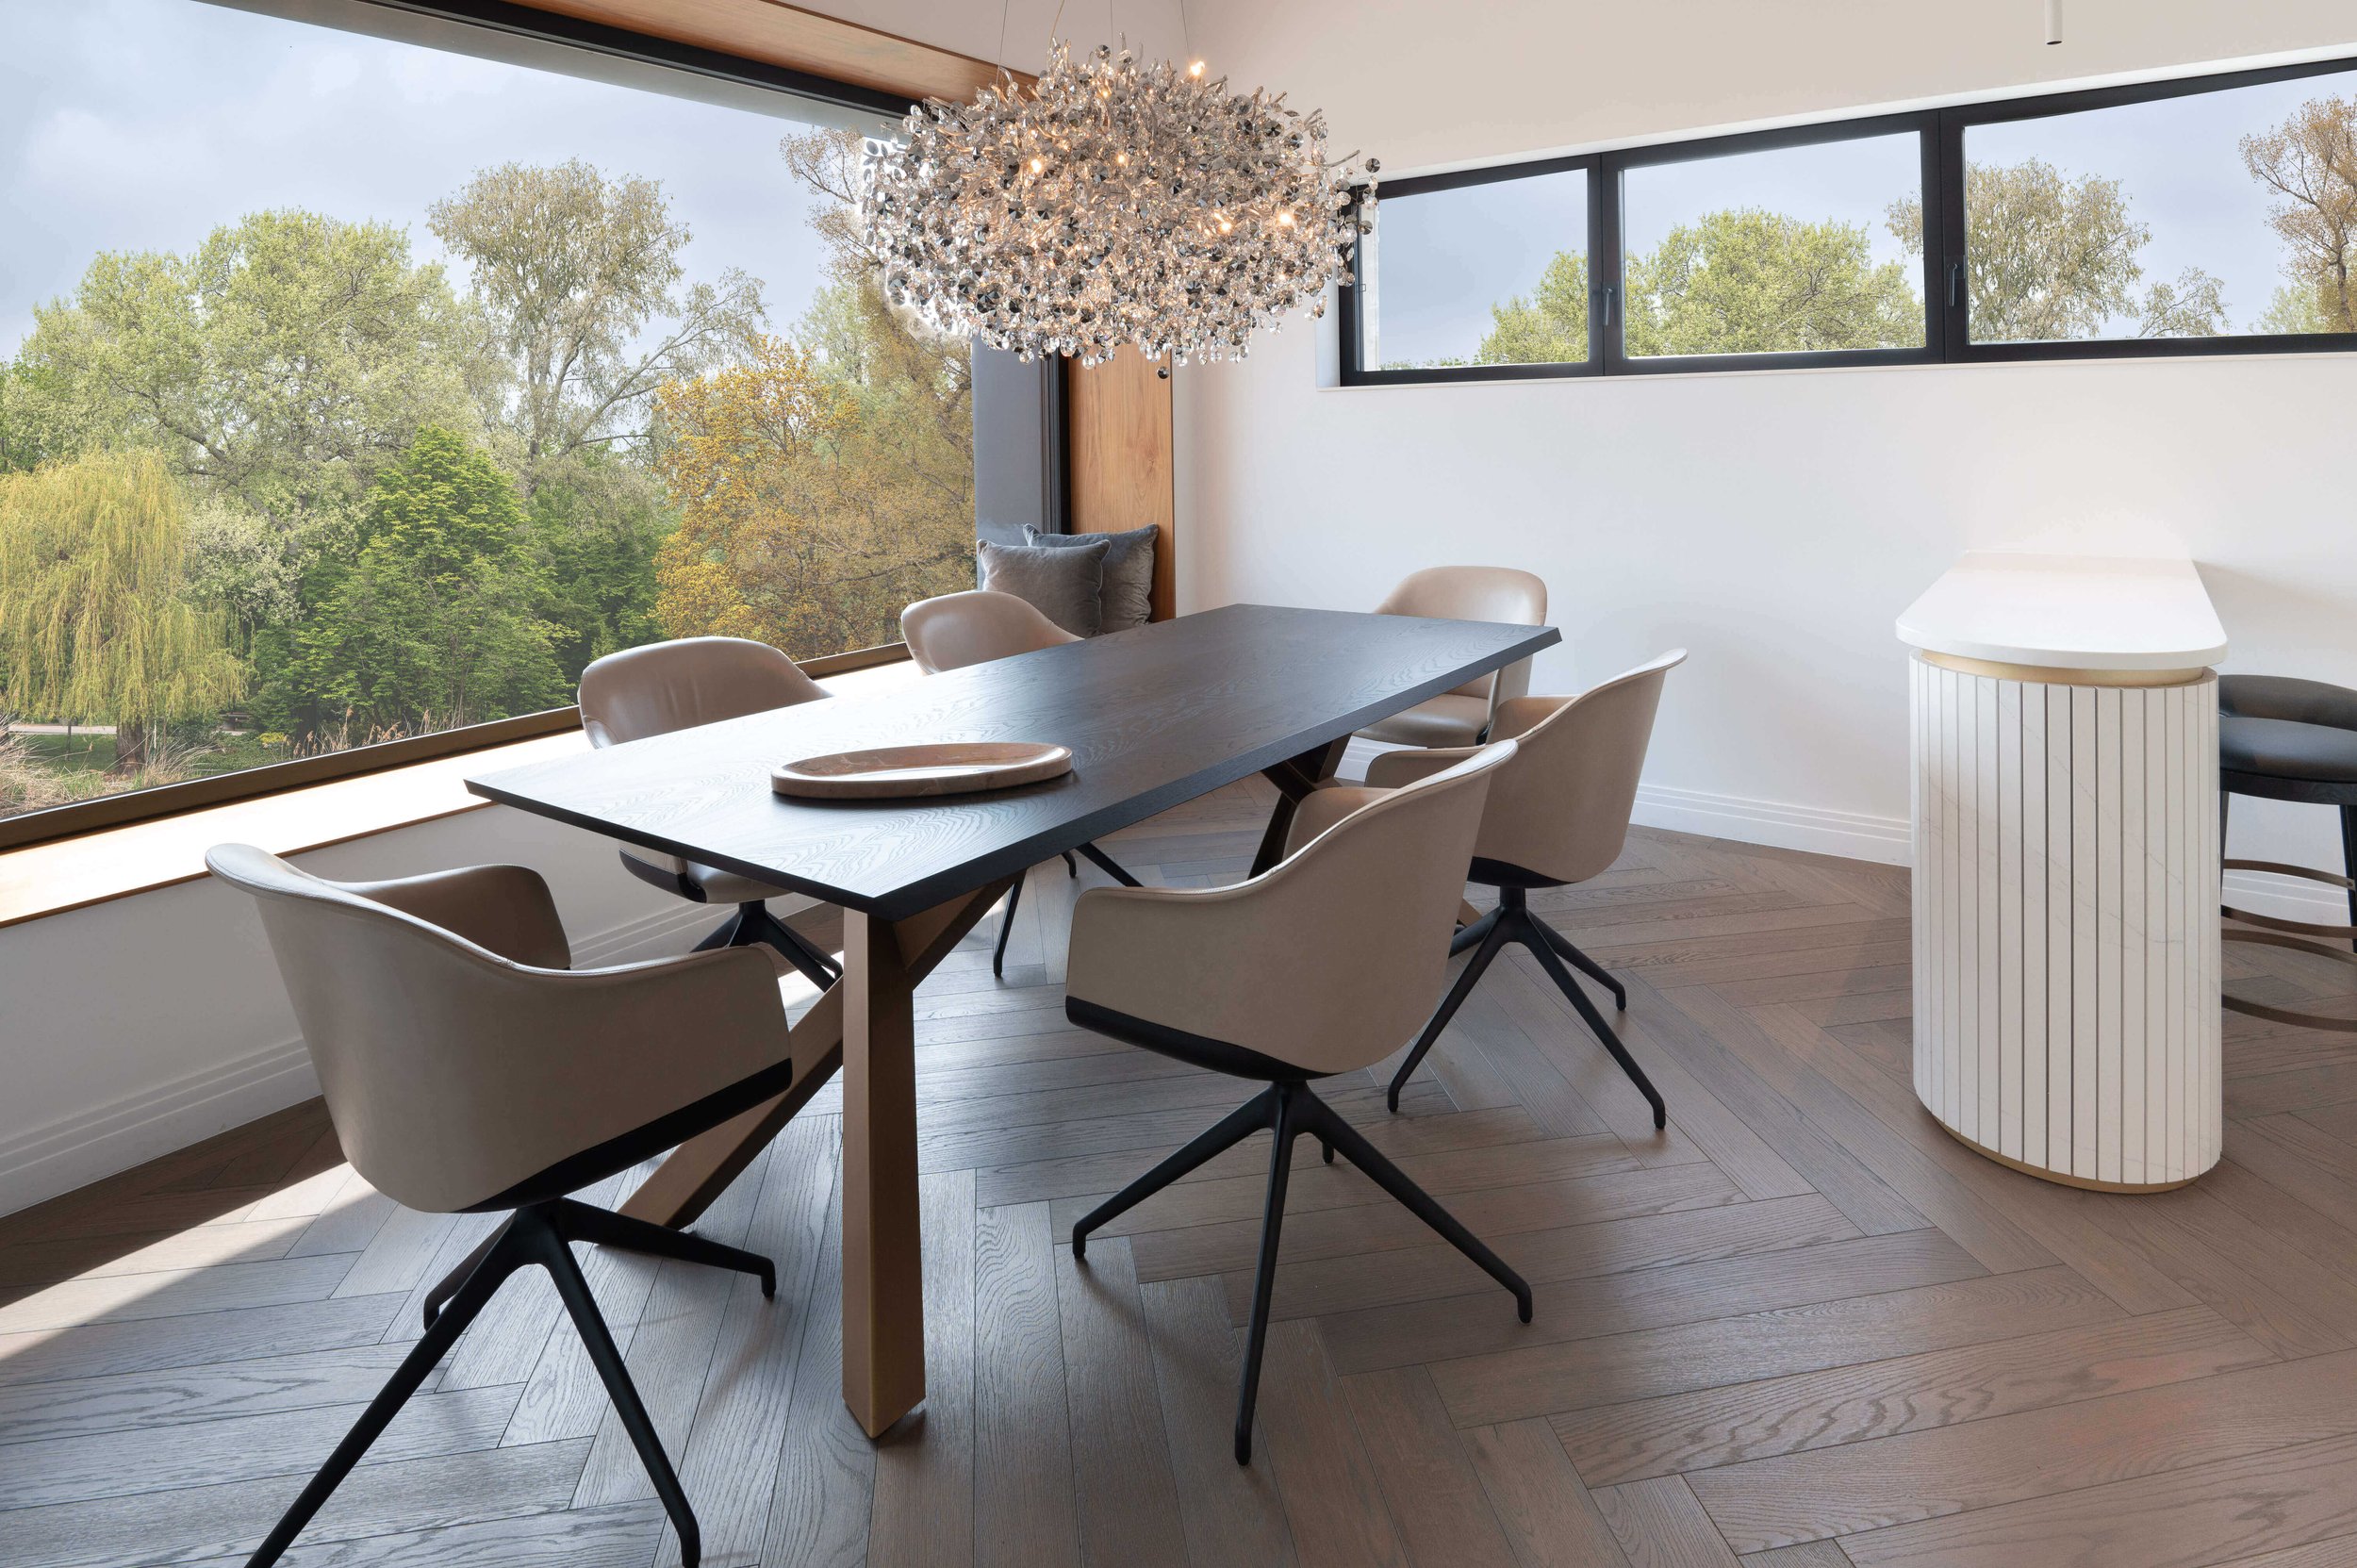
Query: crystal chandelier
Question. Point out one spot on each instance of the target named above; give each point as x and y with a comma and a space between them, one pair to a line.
1114, 202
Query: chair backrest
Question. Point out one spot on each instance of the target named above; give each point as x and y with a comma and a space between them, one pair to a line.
458, 1064
1330, 961
974, 627
1474, 593
675, 685
1563, 810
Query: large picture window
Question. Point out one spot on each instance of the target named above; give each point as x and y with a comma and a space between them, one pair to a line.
2211, 215
353, 390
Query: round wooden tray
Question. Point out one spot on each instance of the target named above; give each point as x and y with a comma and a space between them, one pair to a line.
897, 772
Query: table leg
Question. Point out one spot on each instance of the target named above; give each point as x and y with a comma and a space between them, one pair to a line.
883, 1294
1294, 778
864, 1024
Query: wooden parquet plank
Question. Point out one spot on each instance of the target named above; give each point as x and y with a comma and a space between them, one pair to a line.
1436, 1269
1438, 1330
1864, 1486
1546, 1513
1577, 1374
924, 1504
1023, 1502
2179, 1519
1121, 1462
1661, 1526
1231, 1512
1427, 1479
1809, 1411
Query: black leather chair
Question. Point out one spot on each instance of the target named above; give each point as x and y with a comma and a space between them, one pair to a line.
2283, 739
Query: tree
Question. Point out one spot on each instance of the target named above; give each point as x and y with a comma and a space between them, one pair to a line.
573, 268
94, 627
1548, 328
2050, 259
595, 528
433, 626
281, 362
2310, 164
1749, 281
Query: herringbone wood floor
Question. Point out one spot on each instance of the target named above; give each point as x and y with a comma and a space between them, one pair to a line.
1803, 1323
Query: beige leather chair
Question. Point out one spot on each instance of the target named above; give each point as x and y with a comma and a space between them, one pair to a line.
676, 685
1320, 966
1558, 816
466, 1067
1461, 718
975, 627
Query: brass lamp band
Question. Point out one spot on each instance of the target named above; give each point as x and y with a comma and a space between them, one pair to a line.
2055, 676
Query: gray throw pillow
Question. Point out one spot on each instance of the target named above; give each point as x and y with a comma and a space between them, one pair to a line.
1061, 584
1129, 593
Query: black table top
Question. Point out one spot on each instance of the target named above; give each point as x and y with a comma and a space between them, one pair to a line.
1154, 716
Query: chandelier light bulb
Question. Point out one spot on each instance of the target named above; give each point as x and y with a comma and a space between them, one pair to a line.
1179, 219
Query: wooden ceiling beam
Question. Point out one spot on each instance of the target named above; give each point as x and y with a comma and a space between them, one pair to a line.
798, 40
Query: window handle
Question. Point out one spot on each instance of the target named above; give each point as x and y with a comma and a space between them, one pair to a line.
1608, 290
1956, 283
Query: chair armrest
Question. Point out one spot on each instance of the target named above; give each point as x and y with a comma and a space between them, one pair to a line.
1324, 806
529, 1067
506, 909
1518, 715
1394, 768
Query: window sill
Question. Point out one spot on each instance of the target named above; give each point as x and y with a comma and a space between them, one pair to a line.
163, 852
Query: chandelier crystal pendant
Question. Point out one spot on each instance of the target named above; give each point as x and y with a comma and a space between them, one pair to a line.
1114, 202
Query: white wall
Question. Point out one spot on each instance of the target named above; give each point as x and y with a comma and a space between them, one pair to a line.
1774, 524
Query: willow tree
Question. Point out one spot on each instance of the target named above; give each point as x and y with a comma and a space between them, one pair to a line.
94, 626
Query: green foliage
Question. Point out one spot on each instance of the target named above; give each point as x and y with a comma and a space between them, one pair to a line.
433, 625
93, 625
1548, 328
2052, 259
1748, 281
594, 529
280, 363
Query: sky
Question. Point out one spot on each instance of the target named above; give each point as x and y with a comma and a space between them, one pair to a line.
143, 125
1446, 256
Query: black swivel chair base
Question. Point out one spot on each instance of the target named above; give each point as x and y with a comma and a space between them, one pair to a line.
1512, 922
1289, 1110
752, 926
1096, 857
539, 1233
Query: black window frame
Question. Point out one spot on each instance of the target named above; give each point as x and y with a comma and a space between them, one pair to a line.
1947, 327
1355, 374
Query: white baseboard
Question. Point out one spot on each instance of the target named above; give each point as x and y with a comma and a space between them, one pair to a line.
76, 1150
1851, 834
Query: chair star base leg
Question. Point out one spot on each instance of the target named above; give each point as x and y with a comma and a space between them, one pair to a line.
1512, 922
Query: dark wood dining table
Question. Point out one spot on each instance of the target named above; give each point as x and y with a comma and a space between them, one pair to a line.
1154, 716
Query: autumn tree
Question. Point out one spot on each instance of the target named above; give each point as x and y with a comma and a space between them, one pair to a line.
432, 626
2310, 164
825, 482
2050, 258
94, 627
581, 275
